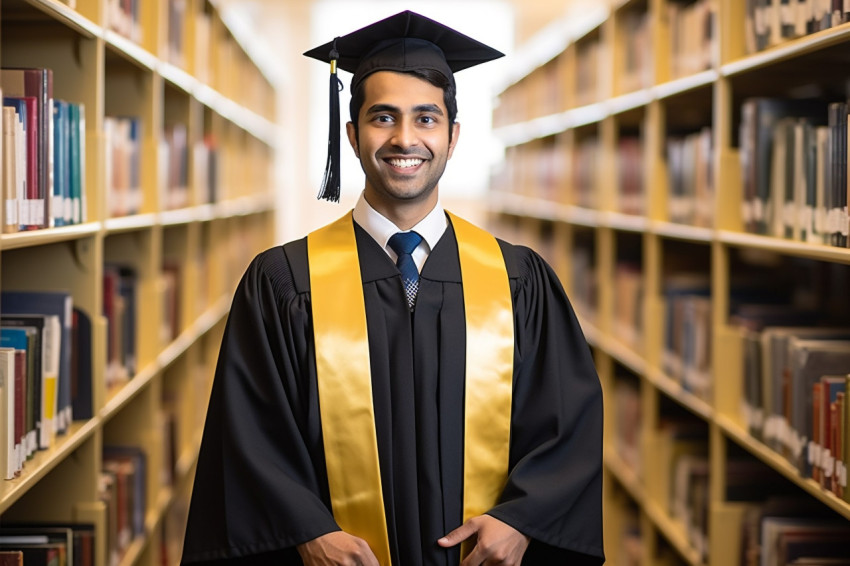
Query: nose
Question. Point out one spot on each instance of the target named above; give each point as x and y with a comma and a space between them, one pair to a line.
404, 134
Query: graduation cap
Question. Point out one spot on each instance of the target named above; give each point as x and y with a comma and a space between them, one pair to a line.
404, 42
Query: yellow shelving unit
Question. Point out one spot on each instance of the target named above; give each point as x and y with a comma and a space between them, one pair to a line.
196, 73
623, 70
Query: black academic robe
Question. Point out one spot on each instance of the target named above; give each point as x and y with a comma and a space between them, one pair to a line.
261, 484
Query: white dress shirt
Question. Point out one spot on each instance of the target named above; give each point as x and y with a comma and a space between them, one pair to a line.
431, 228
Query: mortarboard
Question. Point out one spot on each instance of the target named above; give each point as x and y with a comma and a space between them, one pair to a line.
404, 42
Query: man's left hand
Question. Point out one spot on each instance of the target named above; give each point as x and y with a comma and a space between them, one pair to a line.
497, 542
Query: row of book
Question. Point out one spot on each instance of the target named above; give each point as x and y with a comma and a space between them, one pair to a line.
631, 193
794, 388
47, 544
778, 528
125, 194
175, 185
43, 158
544, 169
692, 37
45, 367
176, 24
628, 303
585, 174
123, 141
636, 72
120, 308
686, 353
120, 305
124, 17
790, 531
771, 22
585, 283
685, 470
794, 168
535, 170
690, 198
629, 422
122, 488
590, 64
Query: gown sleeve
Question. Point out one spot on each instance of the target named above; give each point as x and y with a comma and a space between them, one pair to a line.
260, 486
554, 488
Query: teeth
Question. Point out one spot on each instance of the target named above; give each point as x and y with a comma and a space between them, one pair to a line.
403, 163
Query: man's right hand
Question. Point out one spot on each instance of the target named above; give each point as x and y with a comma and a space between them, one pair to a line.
337, 549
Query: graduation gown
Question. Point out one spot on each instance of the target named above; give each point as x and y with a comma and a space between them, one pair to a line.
261, 485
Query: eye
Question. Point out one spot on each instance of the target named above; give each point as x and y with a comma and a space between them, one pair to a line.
383, 118
426, 119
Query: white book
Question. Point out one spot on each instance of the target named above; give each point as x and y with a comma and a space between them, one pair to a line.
10, 458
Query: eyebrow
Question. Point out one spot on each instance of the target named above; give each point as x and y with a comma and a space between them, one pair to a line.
419, 108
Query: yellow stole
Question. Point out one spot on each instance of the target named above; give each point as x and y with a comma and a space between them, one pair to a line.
345, 383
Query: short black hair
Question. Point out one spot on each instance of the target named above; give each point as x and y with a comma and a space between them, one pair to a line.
435, 78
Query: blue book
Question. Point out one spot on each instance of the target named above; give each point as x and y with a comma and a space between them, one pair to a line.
76, 161
61, 174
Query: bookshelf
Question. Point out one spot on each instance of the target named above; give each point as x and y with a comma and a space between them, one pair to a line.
173, 211
626, 166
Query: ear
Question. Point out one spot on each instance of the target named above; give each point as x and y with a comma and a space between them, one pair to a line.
352, 138
455, 136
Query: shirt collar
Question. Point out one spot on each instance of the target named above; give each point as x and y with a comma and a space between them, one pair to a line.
431, 228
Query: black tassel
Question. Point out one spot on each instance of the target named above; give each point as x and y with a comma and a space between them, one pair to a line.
331, 180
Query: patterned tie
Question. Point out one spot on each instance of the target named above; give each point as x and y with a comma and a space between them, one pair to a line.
403, 244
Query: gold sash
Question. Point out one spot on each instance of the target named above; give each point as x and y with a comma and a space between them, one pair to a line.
345, 383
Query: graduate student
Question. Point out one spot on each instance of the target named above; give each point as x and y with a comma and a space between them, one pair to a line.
400, 387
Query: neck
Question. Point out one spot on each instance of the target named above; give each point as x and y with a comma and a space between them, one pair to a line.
404, 214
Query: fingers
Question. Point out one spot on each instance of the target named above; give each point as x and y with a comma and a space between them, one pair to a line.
459, 535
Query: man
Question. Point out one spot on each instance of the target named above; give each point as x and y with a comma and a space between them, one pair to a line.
417, 399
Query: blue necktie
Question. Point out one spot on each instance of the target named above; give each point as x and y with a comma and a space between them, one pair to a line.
403, 244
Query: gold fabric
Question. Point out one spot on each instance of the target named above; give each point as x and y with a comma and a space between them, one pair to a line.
345, 387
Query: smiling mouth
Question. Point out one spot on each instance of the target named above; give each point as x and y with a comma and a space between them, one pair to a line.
405, 163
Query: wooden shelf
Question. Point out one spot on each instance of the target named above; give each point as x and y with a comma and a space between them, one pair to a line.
586, 120
172, 318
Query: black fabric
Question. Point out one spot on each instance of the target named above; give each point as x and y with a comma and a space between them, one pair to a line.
261, 485
404, 42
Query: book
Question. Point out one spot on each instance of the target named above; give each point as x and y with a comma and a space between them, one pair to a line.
46, 362
775, 379
60, 207
11, 558
123, 141
766, 148
81, 365
77, 162
61, 539
784, 539
56, 303
809, 360
38, 83
22, 175
9, 444
11, 171
30, 206
79, 537
822, 450
129, 463
27, 409
119, 296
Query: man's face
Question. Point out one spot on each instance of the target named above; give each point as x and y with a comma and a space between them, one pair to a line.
404, 140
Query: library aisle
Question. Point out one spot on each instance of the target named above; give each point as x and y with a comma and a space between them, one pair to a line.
156, 136
683, 165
